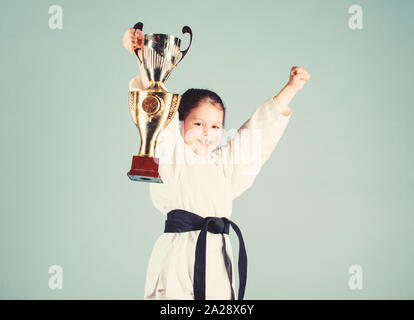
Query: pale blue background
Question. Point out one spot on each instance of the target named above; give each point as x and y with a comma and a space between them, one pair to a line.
337, 191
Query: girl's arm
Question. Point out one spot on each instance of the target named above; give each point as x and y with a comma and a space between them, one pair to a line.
245, 154
283, 98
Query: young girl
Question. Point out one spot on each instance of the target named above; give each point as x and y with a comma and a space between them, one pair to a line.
193, 258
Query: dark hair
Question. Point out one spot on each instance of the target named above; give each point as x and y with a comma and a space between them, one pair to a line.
192, 97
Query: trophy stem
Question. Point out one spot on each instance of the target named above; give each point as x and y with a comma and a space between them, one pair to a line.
147, 146
156, 86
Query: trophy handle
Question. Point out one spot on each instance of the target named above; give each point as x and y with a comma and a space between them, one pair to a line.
186, 29
139, 26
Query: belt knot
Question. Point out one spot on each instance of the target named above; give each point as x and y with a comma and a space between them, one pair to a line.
216, 224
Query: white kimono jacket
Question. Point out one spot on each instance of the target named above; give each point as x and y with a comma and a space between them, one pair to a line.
206, 186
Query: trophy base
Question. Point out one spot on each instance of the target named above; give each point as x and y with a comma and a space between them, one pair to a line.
144, 169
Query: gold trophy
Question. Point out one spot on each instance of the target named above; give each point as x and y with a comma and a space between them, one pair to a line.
152, 109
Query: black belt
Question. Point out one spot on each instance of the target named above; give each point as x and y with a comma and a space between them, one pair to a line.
182, 221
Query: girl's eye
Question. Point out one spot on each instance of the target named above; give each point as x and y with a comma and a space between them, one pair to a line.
216, 127
197, 124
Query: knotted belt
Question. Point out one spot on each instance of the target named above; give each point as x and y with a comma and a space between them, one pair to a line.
182, 221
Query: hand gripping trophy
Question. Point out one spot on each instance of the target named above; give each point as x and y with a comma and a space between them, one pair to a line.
152, 109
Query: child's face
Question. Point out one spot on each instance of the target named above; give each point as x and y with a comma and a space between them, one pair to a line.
203, 127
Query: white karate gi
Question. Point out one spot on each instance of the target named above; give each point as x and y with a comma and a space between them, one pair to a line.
206, 186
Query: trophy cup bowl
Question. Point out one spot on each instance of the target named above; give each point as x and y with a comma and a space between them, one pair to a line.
152, 109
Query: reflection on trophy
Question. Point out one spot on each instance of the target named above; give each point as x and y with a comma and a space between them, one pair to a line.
152, 109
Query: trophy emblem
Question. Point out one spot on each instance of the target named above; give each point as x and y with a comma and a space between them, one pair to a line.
152, 109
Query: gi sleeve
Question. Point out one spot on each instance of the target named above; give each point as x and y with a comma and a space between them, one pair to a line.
253, 143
